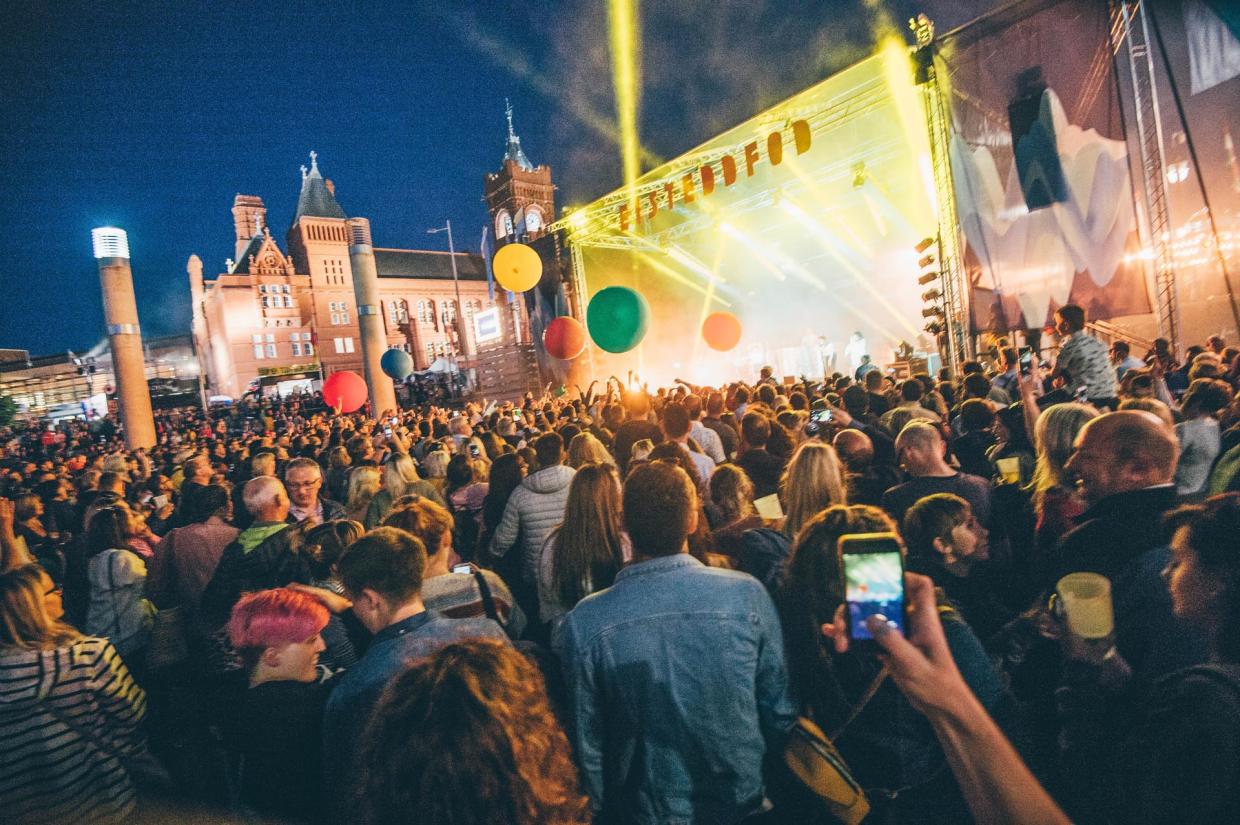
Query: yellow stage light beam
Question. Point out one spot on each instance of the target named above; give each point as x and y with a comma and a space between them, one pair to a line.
691, 263
761, 251
469, 30
658, 265
625, 41
764, 252
728, 229
824, 237
909, 106
710, 292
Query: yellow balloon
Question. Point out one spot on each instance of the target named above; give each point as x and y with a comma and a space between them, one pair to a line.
517, 267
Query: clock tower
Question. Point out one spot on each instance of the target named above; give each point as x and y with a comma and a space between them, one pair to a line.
520, 196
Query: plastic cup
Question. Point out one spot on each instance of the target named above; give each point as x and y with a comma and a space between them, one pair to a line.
1086, 599
768, 507
1009, 470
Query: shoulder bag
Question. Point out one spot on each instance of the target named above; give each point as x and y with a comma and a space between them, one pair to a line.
814, 760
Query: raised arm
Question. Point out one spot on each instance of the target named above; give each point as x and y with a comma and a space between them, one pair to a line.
997, 785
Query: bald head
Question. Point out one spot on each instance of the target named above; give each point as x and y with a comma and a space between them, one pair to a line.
1121, 452
854, 448
921, 449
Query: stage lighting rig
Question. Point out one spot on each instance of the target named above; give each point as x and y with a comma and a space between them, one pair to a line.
927, 262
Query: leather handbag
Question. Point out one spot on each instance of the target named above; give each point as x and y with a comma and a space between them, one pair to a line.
814, 760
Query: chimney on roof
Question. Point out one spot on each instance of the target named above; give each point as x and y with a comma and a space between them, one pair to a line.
249, 217
331, 187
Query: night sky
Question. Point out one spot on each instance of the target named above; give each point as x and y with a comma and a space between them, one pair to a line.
153, 116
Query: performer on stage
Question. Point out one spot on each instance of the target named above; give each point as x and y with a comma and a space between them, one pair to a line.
855, 349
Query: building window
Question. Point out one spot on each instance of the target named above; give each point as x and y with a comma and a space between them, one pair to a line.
308, 348
344, 345
296, 348
258, 351
271, 351
284, 289
265, 304
430, 352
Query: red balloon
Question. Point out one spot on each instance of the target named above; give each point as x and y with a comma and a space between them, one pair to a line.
346, 390
721, 330
564, 338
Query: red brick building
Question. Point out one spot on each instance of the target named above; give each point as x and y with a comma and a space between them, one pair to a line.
284, 317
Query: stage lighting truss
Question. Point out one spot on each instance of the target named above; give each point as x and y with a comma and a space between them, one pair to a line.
598, 224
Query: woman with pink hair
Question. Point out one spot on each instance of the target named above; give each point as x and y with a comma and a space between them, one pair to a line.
279, 726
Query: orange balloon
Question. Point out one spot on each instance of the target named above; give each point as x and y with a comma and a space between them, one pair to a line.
721, 331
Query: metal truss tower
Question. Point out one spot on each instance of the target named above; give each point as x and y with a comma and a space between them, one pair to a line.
1133, 29
958, 346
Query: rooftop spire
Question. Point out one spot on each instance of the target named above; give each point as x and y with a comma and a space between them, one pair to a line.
317, 198
514, 152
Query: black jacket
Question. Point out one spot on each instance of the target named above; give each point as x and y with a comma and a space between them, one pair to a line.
1123, 538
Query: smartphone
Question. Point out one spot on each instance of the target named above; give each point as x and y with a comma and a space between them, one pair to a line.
159, 502
817, 423
1026, 360
387, 431
821, 417
873, 583
464, 567
473, 450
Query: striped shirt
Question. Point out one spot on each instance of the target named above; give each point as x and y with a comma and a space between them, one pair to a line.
67, 717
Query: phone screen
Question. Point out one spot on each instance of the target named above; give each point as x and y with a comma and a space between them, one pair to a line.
873, 581
462, 568
820, 416
1026, 360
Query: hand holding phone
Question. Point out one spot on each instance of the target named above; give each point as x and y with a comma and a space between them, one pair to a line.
873, 569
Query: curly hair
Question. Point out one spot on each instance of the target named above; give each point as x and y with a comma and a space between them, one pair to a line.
467, 737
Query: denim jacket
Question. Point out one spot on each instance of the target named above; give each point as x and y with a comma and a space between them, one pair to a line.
678, 684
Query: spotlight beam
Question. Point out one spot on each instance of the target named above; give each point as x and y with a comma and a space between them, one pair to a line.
824, 237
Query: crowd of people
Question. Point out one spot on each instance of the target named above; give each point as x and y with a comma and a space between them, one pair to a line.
617, 605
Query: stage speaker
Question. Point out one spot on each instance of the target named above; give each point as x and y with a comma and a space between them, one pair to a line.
1034, 145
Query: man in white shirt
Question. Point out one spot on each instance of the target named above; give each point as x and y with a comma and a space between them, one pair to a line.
706, 438
676, 425
1124, 360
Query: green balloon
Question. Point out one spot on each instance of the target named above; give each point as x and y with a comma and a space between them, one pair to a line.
617, 318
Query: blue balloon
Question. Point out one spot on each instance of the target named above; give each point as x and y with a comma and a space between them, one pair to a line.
396, 364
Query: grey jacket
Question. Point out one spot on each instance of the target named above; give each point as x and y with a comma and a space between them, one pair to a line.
533, 511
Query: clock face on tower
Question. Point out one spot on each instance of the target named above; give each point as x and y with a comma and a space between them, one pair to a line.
533, 220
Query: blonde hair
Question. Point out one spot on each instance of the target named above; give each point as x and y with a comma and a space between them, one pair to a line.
1054, 435
398, 474
586, 449
435, 463
24, 621
812, 482
363, 484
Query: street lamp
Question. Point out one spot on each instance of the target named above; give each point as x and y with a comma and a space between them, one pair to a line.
462, 344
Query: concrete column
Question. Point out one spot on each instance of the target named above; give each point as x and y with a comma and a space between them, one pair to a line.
120, 314
370, 317
414, 334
